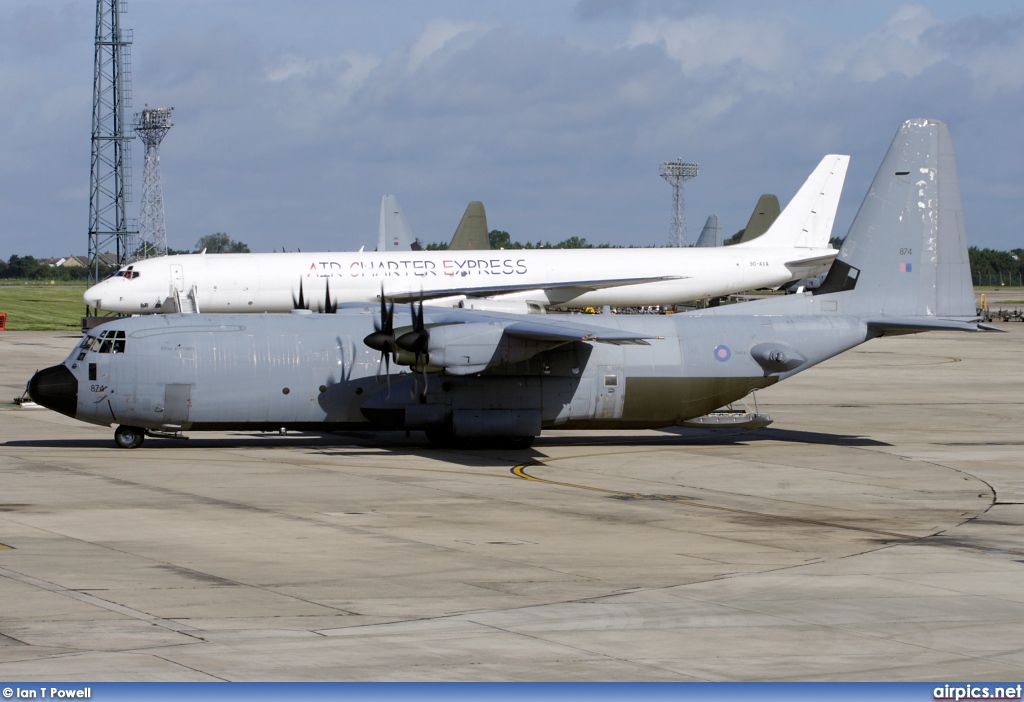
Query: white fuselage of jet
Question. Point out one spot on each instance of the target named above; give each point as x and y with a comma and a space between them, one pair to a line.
795, 246
274, 282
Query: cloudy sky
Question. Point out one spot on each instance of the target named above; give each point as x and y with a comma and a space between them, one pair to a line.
292, 119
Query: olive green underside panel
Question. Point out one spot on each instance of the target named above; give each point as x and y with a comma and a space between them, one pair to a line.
660, 402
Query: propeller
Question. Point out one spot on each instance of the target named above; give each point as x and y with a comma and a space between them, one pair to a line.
383, 339
299, 304
417, 341
328, 306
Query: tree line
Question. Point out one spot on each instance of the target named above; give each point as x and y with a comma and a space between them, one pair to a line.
215, 243
992, 262
503, 240
31, 268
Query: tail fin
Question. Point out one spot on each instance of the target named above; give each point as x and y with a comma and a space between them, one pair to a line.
906, 253
394, 233
711, 234
472, 231
807, 219
764, 215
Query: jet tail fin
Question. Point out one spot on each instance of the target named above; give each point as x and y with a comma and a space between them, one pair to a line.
472, 231
711, 234
906, 253
762, 218
393, 233
807, 219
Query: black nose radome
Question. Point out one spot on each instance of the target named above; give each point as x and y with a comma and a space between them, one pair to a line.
55, 388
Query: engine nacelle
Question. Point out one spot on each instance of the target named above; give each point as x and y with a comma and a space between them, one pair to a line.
464, 349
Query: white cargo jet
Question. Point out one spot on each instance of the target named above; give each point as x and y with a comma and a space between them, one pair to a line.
795, 246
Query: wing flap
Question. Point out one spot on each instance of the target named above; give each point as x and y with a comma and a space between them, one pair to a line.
563, 331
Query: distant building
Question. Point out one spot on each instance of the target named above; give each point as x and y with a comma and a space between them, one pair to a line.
105, 259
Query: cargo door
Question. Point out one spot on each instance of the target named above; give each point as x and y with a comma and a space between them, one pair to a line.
611, 392
739, 272
177, 278
177, 405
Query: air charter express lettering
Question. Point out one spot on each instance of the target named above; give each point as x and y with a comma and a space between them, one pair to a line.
452, 267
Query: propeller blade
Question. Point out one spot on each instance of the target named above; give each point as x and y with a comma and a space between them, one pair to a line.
418, 339
299, 304
383, 337
330, 308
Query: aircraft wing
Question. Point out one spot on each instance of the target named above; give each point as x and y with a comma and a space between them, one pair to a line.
564, 331
558, 328
464, 342
486, 291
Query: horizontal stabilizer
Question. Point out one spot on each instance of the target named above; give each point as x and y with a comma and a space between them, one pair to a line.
913, 325
812, 261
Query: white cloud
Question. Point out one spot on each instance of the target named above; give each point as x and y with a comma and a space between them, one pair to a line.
437, 34
348, 71
895, 48
707, 42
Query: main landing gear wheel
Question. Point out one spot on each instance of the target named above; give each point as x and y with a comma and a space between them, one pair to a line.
129, 437
516, 442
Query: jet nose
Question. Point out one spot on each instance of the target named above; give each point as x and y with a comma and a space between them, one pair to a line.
55, 388
92, 296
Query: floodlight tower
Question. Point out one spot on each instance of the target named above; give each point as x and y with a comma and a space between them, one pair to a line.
110, 183
152, 125
677, 173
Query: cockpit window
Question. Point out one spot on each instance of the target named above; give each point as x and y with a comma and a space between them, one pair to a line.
108, 341
130, 273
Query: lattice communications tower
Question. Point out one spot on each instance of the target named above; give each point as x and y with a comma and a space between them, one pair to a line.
677, 173
152, 125
110, 231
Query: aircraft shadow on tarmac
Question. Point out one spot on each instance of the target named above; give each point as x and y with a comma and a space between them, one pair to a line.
399, 443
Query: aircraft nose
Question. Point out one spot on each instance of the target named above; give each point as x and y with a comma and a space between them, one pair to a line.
92, 296
55, 388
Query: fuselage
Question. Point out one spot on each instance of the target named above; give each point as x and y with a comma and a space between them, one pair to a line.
313, 372
279, 282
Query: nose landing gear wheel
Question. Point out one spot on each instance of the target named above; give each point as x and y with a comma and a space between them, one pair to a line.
129, 437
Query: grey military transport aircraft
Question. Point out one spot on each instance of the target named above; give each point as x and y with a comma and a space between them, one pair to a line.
464, 375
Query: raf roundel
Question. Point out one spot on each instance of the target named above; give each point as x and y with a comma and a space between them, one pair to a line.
722, 353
